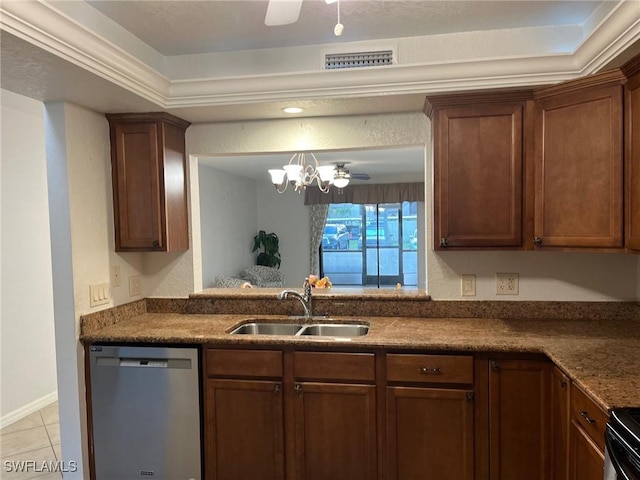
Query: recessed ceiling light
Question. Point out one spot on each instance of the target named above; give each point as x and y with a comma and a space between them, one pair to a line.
292, 109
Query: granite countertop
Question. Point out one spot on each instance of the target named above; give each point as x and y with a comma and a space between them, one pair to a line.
601, 356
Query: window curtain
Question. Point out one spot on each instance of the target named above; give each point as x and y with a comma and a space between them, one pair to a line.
317, 219
367, 194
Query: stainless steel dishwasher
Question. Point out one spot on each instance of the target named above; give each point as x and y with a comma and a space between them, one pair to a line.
146, 412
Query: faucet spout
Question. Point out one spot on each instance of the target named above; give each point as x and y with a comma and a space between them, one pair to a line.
304, 299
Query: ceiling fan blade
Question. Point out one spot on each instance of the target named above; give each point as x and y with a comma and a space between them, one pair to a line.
360, 176
282, 12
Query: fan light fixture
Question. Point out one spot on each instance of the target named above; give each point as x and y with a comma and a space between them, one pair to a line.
300, 175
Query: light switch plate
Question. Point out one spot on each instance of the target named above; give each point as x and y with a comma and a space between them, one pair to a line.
135, 285
468, 285
99, 294
115, 276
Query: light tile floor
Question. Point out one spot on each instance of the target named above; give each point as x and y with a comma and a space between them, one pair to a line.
34, 439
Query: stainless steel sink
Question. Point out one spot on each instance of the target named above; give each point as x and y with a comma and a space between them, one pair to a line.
341, 330
271, 328
336, 330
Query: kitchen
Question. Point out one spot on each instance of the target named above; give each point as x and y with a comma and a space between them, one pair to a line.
84, 141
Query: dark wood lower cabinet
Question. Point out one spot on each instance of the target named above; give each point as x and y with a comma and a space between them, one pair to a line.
586, 461
430, 434
302, 415
245, 433
519, 420
559, 425
335, 434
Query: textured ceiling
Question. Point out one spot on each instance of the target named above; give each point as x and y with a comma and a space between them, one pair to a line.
186, 27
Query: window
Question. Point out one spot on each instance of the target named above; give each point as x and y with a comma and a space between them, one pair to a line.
371, 245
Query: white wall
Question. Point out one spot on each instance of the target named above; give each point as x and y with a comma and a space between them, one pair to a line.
228, 219
288, 217
27, 354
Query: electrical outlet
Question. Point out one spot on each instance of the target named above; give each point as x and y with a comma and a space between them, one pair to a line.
468, 285
99, 294
115, 276
135, 285
507, 284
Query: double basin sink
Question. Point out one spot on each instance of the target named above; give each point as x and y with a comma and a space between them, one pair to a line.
324, 329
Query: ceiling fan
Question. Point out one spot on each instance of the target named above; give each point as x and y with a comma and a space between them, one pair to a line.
343, 172
286, 12
282, 12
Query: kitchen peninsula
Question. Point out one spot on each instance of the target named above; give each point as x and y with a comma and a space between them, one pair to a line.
471, 363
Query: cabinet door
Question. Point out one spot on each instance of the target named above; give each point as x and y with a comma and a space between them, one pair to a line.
586, 461
633, 161
335, 431
559, 425
579, 169
430, 434
519, 420
244, 428
137, 186
478, 176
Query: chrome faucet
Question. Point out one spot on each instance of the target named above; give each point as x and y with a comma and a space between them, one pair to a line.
305, 298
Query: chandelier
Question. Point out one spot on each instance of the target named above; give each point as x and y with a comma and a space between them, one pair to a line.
301, 174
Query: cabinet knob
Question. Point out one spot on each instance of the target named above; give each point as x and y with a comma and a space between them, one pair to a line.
469, 395
563, 384
430, 371
537, 241
156, 243
444, 242
298, 389
277, 388
494, 365
586, 416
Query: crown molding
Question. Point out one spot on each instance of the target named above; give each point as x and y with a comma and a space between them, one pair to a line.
43, 25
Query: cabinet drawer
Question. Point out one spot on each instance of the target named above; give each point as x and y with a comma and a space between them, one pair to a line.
429, 368
588, 415
244, 363
334, 366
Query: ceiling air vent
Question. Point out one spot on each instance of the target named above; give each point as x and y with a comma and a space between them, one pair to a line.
334, 61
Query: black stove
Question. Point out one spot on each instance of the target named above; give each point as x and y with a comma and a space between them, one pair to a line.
623, 445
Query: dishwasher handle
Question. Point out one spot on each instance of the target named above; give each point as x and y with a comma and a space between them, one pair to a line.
129, 362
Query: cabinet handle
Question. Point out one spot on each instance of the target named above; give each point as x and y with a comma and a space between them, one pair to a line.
494, 365
537, 241
469, 395
277, 388
586, 416
156, 243
298, 389
444, 242
430, 371
563, 384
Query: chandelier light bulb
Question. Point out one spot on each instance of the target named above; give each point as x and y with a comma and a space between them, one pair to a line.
338, 29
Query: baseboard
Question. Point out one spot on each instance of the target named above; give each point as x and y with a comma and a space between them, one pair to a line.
28, 409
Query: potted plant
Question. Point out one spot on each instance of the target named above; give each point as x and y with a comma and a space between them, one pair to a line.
270, 257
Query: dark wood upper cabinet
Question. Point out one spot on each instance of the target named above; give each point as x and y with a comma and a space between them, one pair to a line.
632, 153
478, 169
579, 163
149, 182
